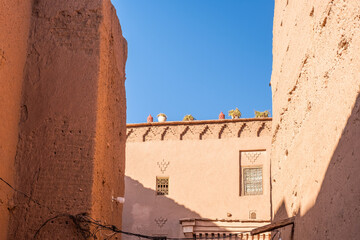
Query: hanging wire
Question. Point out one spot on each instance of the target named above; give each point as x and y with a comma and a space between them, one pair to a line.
83, 220
27, 196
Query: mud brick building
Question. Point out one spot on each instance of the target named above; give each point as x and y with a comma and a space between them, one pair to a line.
198, 178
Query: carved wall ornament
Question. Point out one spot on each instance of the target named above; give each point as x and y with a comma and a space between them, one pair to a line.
151, 134
226, 132
163, 165
187, 133
252, 156
169, 133
244, 131
129, 132
204, 131
264, 129
160, 221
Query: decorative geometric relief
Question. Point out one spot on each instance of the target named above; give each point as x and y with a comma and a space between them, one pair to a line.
206, 133
169, 134
267, 129
153, 133
199, 131
163, 165
225, 132
264, 129
182, 134
130, 135
188, 133
160, 221
252, 156
244, 131
145, 134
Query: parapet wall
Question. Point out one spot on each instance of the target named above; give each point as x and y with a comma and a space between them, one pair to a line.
199, 130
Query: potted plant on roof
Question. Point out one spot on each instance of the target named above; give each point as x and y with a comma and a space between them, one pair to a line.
235, 113
161, 117
262, 114
188, 117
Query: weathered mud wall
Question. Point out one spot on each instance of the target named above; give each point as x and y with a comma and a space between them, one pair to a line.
316, 121
111, 118
72, 119
14, 27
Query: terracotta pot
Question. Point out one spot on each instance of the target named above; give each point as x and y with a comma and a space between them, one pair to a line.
150, 118
221, 115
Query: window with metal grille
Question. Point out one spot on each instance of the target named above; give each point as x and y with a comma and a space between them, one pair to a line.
252, 180
162, 185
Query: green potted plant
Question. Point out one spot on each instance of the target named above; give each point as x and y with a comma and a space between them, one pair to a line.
235, 113
262, 114
188, 117
161, 117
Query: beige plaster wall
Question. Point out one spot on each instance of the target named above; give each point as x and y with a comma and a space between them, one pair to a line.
315, 85
14, 30
203, 170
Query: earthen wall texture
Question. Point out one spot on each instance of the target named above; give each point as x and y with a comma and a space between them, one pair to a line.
111, 118
316, 117
14, 28
71, 142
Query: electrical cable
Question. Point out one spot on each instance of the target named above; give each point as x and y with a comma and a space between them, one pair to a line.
30, 198
81, 218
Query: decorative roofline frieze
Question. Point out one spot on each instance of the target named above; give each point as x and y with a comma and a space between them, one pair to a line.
199, 130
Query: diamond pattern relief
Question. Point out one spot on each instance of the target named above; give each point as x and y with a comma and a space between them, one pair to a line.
252, 156
160, 221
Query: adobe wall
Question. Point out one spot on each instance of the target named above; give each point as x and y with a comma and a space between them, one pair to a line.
14, 28
111, 121
72, 107
316, 128
202, 160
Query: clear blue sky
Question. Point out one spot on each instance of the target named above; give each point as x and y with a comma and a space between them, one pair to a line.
196, 57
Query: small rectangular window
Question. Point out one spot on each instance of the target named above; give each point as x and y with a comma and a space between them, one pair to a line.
162, 185
252, 181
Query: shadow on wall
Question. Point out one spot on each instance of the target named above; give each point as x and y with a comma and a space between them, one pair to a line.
336, 212
149, 214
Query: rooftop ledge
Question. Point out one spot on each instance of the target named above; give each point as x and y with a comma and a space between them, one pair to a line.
197, 122
199, 129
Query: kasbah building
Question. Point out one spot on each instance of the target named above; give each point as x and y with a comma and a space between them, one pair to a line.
64, 142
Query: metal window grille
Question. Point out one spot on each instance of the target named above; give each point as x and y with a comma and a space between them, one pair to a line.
253, 181
162, 185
